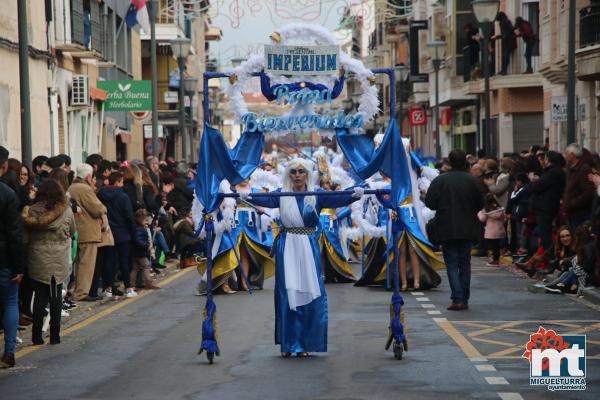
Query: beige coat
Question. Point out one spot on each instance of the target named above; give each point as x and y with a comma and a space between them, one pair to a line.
47, 236
89, 220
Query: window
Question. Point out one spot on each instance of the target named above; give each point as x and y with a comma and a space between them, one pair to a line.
531, 13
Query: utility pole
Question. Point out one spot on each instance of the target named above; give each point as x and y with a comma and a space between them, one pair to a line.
154, 5
26, 154
571, 75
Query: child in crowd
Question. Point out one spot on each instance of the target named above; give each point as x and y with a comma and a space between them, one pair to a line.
141, 250
517, 211
493, 216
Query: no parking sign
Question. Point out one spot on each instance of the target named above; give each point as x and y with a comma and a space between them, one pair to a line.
418, 117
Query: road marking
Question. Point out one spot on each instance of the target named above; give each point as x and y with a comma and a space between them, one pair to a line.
417, 293
478, 359
510, 396
427, 305
105, 312
496, 380
434, 312
462, 342
423, 299
485, 368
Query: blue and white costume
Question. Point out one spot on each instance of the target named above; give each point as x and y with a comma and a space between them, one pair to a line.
300, 298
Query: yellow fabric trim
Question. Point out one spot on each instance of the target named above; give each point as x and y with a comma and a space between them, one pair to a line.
407, 201
227, 262
341, 263
267, 262
329, 211
435, 262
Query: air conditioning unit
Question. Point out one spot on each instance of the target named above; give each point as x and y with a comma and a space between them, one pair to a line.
80, 92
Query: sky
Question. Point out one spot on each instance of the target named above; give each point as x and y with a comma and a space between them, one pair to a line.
247, 24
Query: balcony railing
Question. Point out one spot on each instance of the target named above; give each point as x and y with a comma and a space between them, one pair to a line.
589, 25
516, 66
86, 25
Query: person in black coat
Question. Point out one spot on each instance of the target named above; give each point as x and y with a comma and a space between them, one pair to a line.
508, 38
456, 197
518, 210
181, 197
11, 264
122, 224
546, 194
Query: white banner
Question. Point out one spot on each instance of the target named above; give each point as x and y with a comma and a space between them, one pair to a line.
302, 60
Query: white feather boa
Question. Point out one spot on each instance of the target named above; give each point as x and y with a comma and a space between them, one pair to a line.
367, 224
299, 33
227, 211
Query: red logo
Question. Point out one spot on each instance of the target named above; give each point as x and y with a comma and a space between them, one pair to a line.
545, 339
418, 117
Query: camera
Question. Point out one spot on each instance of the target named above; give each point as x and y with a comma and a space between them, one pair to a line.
74, 206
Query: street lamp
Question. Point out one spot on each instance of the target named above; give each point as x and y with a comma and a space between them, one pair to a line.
190, 84
434, 51
485, 11
181, 48
402, 72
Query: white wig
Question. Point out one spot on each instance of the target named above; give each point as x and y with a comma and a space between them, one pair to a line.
310, 181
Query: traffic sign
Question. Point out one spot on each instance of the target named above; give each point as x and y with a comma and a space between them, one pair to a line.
417, 116
148, 146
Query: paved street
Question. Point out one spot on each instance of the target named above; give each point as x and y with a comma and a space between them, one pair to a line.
146, 348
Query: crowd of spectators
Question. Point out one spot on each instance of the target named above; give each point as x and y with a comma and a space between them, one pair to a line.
101, 230
542, 213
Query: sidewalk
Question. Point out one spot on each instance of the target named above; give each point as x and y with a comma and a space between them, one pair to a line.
87, 310
591, 294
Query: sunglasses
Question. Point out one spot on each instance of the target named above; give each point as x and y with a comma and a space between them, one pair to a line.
299, 171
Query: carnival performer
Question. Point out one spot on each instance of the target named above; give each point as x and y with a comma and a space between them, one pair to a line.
372, 218
334, 263
250, 242
413, 244
300, 297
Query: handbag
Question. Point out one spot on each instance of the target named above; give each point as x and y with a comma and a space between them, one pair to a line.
188, 262
432, 232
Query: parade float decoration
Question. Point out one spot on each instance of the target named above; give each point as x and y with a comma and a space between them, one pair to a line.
303, 69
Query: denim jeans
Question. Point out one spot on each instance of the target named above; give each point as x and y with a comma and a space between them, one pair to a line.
457, 256
544, 225
161, 243
106, 260
123, 249
529, 54
9, 298
505, 60
576, 220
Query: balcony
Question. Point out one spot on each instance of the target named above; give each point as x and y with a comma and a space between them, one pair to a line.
80, 32
588, 54
516, 76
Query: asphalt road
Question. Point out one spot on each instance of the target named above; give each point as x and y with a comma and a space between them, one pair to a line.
146, 349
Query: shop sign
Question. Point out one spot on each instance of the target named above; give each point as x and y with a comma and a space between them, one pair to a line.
417, 116
127, 95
